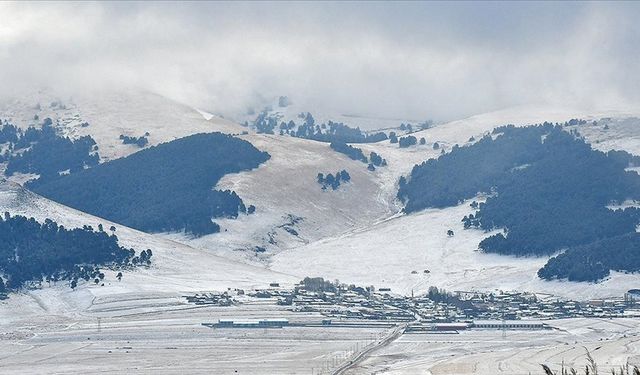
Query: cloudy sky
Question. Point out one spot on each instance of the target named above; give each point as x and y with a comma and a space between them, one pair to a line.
408, 60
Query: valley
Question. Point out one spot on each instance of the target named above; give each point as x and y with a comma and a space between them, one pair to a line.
319, 187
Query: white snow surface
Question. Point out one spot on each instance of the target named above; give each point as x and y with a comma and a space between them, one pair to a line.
130, 112
613, 133
612, 344
385, 254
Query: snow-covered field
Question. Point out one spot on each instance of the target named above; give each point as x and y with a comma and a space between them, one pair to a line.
114, 335
153, 333
612, 343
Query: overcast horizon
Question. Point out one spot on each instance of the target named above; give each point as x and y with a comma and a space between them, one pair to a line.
406, 60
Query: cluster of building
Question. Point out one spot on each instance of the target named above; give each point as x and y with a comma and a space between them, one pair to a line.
435, 311
215, 299
522, 305
341, 303
367, 303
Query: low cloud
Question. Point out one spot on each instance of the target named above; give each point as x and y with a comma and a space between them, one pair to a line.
409, 60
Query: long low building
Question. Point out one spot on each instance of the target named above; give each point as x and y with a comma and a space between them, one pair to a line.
509, 324
437, 327
251, 323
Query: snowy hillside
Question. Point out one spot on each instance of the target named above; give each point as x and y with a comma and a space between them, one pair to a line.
613, 133
285, 185
176, 268
285, 188
355, 233
410, 253
110, 114
377, 250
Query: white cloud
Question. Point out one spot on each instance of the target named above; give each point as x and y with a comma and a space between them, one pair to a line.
412, 60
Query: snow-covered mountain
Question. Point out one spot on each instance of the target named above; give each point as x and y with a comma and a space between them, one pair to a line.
108, 114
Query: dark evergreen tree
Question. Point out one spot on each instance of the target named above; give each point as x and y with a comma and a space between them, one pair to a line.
550, 191
352, 152
393, 138
30, 251
162, 188
138, 141
407, 141
344, 176
376, 159
47, 154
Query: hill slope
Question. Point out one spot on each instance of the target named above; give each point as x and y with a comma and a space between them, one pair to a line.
333, 233
176, 268
163, 188
109, 114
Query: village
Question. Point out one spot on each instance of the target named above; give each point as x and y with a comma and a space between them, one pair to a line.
437, 310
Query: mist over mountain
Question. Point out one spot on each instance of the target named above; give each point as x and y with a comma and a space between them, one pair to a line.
419, 60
